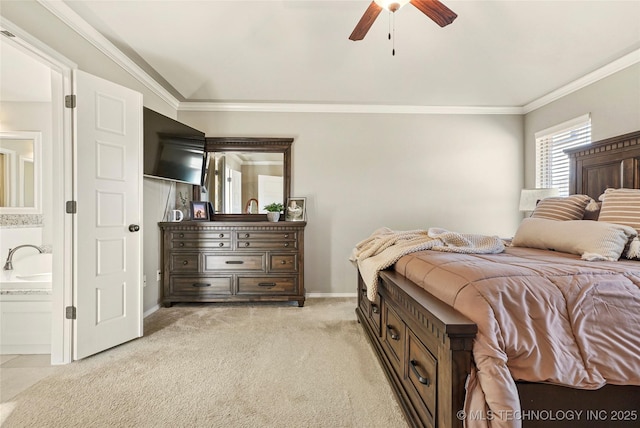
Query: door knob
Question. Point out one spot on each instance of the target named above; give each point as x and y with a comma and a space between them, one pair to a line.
134, 228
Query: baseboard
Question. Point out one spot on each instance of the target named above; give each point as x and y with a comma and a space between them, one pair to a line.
312, 295
150, 311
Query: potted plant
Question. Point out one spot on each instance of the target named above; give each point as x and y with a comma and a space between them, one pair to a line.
273, 211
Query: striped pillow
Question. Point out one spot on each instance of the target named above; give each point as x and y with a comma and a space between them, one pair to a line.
621, 206
562, 208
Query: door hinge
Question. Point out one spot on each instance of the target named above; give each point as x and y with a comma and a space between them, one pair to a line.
70, 312
70, 101
72, 207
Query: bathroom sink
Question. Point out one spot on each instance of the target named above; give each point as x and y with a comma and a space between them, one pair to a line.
35, 277
33, 271
34, 265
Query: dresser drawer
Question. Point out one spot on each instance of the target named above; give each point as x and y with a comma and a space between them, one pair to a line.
267, 245
199, 285
196, 235
273, 236
184, 262
283, 263
422, 374
267, 285
201, 243
234, 262
393, 335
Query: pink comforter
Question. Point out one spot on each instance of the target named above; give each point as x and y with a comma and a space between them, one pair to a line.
542, 316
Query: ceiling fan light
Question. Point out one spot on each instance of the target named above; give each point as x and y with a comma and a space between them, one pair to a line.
391, 5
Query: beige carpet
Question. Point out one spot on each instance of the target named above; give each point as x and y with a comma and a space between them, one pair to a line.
263, 365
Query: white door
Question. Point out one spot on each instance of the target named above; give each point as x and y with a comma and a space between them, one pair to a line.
108, 248
270, 190
235, 192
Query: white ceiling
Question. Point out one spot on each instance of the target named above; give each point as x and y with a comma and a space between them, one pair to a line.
496, 53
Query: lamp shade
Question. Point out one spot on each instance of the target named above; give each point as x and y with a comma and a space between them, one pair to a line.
529, 197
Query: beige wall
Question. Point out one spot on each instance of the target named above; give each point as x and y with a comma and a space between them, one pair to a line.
614, 105
363, 171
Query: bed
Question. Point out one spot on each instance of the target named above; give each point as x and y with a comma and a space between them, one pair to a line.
442, 324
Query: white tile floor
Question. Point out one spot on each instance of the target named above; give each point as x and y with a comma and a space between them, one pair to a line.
18, 372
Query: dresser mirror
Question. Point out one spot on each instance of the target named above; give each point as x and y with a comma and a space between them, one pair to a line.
242, 175
20, 163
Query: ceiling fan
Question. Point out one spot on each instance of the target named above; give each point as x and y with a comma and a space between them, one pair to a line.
435, 10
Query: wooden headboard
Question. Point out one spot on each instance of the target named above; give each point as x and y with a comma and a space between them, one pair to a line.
614, 162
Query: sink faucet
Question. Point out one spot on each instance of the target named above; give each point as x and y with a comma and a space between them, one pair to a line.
9, 265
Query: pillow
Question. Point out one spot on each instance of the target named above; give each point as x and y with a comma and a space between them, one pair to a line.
562, 208
622, 206
592, 240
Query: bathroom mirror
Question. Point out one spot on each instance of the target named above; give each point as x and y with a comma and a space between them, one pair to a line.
20, 164
245, 174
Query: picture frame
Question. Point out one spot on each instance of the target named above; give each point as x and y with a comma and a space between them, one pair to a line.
296, 209
199, 210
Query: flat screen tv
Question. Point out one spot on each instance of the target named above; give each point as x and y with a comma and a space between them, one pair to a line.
172, 150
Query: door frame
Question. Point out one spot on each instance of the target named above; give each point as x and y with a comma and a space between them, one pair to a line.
63, 190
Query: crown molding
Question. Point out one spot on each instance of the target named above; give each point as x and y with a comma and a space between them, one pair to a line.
609, 69
90, 34
258, 107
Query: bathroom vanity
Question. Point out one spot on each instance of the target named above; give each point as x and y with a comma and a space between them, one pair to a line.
232, 261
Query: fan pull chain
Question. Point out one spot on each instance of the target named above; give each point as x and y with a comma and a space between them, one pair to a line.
393, 41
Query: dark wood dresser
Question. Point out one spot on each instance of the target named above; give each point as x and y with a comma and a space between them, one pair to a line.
220, 261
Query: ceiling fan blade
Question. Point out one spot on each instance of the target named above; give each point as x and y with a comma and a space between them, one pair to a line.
435, 10
365, 22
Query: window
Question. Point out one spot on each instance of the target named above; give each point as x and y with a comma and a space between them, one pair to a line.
552, 164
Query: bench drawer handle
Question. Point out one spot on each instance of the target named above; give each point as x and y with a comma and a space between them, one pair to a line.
374, 308
234, 262
200, 284
423, 380
266, 284
394, 334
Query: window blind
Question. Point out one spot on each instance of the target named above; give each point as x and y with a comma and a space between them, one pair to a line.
552, 164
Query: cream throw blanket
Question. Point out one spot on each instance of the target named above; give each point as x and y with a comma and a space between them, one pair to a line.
385, 246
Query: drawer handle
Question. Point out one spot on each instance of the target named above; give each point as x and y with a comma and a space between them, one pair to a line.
234, 262
266, 284
185, 262
286, 235
221, 235
246, 244
394, 334
286, 244
200, 284
182, 244
246, 235
374, 308
282, 262
364, 290
221, 244
414, 368
182, 235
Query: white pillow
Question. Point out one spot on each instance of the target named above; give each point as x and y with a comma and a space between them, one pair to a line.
592, 240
